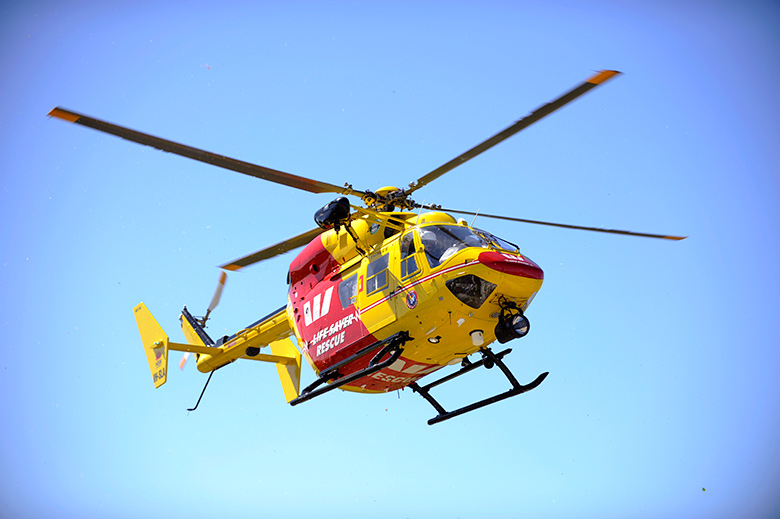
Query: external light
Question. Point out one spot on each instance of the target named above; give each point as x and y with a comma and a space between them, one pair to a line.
512, 326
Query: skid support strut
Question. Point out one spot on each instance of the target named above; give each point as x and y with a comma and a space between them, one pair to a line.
392, 346
489, 359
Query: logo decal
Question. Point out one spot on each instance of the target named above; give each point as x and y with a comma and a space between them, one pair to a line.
374, 228
411, 299
320, 309
513, 257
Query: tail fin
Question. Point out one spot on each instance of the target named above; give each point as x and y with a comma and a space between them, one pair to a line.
155, 344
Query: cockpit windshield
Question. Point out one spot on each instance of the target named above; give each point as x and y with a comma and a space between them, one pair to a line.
497, 242
440, 242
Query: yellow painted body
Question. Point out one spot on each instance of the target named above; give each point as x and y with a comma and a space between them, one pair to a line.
437, 313
155, 344
289, 372
417, 301
274, 328
274, 331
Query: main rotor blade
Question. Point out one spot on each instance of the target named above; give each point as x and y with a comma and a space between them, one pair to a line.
563, 225
523, 123
272, 175
273, 250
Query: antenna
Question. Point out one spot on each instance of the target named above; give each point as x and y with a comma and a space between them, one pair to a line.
475, 218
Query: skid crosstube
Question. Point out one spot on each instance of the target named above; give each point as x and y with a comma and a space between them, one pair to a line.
489, 359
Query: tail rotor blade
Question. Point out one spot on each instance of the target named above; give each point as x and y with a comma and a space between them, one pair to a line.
214, 302
217, 292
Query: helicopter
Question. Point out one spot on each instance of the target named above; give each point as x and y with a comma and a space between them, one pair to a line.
382, 295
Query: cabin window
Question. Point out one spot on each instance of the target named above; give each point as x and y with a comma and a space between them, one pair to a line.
348, 291
408, 262
376, 274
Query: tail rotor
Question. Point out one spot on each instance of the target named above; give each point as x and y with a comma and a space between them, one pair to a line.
217, 296
214, 302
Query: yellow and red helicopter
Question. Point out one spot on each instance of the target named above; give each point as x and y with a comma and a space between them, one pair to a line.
382, 295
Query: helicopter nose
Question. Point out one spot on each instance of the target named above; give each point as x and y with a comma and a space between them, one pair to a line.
513, 264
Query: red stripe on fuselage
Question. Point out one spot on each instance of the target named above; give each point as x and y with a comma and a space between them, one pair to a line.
404, 288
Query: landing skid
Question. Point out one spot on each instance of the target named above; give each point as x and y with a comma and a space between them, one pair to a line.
393, 346
489, 359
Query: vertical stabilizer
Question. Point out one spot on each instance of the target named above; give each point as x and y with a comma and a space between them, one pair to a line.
155, 344
289, 374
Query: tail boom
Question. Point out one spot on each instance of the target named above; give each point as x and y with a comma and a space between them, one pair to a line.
273, 330
157, 345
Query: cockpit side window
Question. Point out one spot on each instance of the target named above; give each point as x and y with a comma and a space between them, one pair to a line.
348, 291
408, 261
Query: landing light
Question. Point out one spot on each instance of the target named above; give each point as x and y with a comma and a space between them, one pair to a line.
520, 325
512, 326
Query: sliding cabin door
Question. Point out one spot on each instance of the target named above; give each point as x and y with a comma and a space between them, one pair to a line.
377, 282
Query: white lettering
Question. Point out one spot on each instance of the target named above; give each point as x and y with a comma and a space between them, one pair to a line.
330, 343
390, 379
397, 365
336, 327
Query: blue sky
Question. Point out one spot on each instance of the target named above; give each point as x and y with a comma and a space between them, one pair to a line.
663, 397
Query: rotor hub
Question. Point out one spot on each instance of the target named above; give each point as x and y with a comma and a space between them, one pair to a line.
387, 199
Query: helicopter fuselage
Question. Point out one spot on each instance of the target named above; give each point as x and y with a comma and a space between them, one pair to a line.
443, 282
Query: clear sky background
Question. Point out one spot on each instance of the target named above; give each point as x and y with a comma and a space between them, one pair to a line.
663, 398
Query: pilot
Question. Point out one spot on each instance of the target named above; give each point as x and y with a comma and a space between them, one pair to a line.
434, 248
